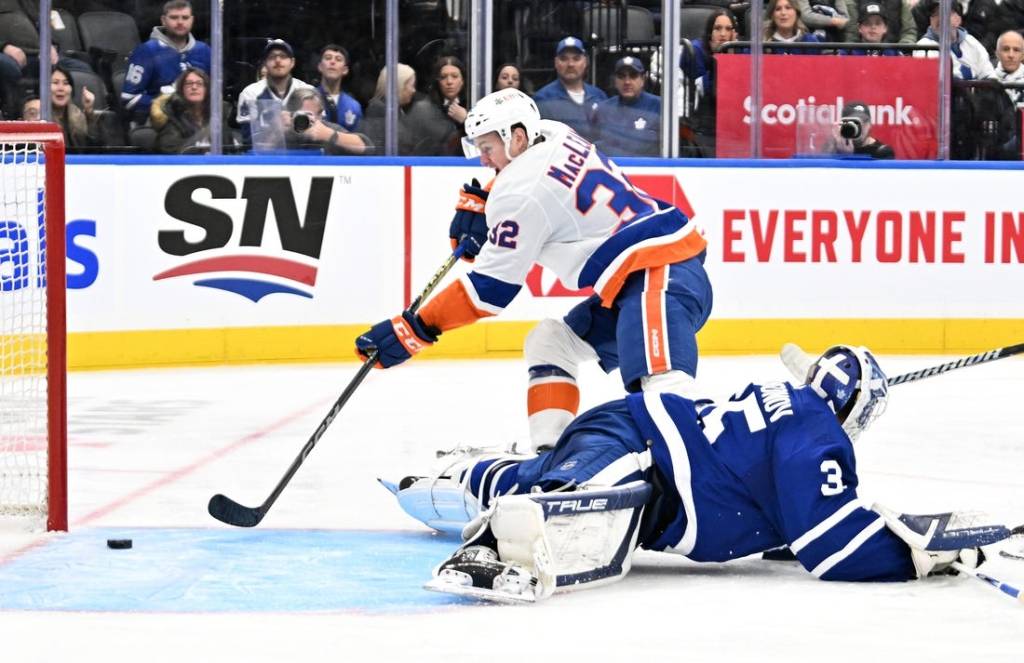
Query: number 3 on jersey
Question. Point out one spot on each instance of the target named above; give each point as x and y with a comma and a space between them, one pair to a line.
833, 478
625, 202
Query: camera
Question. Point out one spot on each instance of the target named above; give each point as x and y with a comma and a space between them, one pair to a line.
301, 121
851, 128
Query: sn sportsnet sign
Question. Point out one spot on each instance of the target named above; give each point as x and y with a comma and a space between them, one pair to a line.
236, 252
803, 96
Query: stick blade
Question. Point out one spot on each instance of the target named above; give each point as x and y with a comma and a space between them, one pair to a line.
228, 511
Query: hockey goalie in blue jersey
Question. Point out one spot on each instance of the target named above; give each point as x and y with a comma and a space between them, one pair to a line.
772, 466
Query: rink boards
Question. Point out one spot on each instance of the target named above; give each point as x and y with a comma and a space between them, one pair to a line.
287, 259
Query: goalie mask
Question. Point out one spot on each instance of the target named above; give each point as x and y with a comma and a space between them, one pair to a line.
850, 380
499, 112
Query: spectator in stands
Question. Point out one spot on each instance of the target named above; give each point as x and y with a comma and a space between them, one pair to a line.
979, 17
852, 135
970, 59
508, 76
421, 127
376, 110
899, 21
309, 128
341, 108
12, 60
448, 95
155, 65
19, 59
871, 29
783, 24
629, 124
826, 19
80, 125
568, 98
260, 104
30, 109
182, 119
1010, 52
719, 29
1009, 15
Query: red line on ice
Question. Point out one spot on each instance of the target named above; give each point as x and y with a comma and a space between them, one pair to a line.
181, 472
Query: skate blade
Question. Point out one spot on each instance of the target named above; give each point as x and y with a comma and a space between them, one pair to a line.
489, 595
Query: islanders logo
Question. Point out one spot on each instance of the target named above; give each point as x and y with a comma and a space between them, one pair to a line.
247, 268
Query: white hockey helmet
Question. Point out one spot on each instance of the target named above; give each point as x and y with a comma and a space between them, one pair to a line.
499, 112
853, 385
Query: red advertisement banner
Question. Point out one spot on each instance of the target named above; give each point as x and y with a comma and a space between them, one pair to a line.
803, 96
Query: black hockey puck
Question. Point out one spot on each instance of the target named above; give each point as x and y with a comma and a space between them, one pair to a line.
119, 544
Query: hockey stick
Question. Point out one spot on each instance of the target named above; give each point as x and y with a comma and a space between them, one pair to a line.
973, 360
1009, 590
798, 361
226, 510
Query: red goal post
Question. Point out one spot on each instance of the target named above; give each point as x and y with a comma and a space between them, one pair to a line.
33, 365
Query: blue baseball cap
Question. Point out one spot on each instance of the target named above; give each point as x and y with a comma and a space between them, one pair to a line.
630, 62
277, 45
570, 42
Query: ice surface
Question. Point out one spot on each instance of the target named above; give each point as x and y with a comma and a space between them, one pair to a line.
333, 571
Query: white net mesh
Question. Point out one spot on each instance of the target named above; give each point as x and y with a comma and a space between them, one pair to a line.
23, 380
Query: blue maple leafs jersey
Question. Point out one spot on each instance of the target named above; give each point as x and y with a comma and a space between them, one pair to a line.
154, 65
771, 466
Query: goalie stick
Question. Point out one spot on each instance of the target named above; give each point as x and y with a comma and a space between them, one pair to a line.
798, 361
226, 510
1009, 590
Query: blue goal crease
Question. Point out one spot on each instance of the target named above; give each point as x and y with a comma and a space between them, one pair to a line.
220, 570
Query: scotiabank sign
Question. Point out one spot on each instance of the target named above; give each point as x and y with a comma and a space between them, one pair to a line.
803, 96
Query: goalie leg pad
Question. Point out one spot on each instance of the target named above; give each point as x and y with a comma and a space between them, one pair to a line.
571, 540
547, 542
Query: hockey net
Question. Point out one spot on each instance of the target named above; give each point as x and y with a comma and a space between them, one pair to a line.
33, 474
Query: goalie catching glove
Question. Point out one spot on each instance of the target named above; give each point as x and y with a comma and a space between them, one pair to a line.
938, 540
396, 340
469, 225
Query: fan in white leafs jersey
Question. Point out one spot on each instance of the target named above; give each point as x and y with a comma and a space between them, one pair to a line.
556, 200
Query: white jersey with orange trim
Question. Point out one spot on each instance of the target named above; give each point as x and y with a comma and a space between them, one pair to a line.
557, 204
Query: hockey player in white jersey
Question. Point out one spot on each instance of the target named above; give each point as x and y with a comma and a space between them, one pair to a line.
557, 201
772, 466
